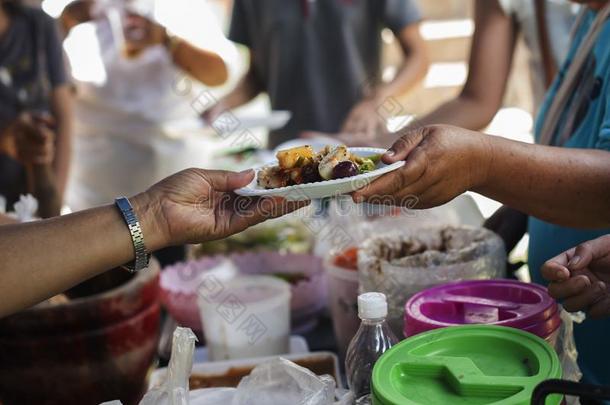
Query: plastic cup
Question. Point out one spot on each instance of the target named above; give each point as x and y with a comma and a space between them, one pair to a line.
470, 364
245, 317
509, 303
343, 302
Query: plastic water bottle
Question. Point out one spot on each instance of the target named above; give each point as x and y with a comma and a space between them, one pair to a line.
373, 338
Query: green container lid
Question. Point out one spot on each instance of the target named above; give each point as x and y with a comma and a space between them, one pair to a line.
470, 364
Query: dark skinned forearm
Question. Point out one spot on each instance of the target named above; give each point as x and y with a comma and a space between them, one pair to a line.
569, 187
491, 52
36, 266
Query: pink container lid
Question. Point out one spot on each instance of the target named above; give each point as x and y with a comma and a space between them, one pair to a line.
499, 302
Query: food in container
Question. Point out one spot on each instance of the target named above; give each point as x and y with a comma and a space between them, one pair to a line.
279, 235
248, 316
347, 259
230, 372
402, 264
342, 278
510, 303
470, 364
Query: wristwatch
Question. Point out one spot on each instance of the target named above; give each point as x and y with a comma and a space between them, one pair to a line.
142, 256
171, 42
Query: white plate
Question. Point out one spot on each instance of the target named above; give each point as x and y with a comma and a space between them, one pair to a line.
321, 189
276, 119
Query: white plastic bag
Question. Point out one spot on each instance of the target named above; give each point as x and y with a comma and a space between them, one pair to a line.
280, 381
24, 210
175, 390
566, 347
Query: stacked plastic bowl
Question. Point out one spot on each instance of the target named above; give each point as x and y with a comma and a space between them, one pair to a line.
510, 303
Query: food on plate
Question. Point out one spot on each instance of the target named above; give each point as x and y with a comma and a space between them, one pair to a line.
295, 157
344, 169
302, 165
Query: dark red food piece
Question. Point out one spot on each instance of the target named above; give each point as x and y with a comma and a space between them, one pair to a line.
310, 174
345, 169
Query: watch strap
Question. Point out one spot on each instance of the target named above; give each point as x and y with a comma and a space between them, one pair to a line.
142, 256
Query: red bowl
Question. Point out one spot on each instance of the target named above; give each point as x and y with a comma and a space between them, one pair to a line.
86, 351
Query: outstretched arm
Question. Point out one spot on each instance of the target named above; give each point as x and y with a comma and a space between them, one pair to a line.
62, 103
569, 187
364, 118
247, 88
491, 54
41, 259
205, 66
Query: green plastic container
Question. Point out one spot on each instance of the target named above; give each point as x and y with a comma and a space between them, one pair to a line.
471, 364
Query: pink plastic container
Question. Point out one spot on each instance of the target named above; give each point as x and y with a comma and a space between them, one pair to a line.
305, 273
179, 284
499, 302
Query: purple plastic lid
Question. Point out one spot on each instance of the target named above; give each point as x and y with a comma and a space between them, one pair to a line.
499, 302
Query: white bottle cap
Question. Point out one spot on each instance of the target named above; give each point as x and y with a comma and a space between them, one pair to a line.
372, 305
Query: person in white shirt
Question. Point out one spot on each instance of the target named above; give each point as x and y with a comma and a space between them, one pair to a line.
139, 67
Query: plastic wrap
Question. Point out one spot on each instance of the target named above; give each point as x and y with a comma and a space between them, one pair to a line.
24, 210
402, 264
280, 381
566, 347
348, 224
175, 390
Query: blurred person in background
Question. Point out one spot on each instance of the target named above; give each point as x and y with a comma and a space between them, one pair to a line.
321, 60
545, 26
573, 133
138, 68
27, 152
35, 108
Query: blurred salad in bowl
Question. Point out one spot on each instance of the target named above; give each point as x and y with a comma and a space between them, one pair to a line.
281, 235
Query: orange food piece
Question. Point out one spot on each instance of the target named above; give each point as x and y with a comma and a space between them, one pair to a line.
295, 157
348, 259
